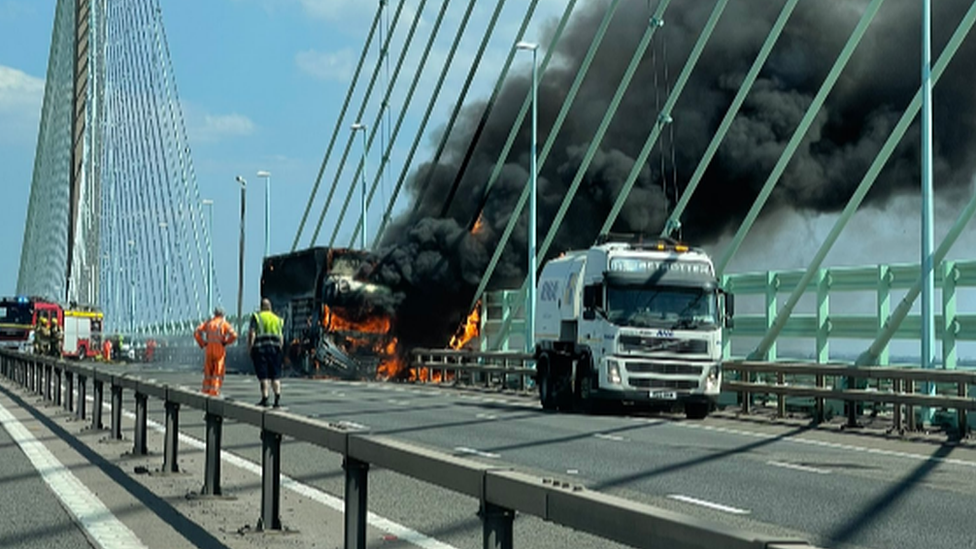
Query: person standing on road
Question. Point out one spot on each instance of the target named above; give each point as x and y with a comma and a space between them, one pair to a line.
56, 341
214, 335
42, 335
264, 344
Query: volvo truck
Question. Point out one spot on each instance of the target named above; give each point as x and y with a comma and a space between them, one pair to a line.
628, 322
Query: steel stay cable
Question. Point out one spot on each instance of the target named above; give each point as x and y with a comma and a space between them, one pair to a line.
485, 114
350, 141
799, 134
449, 127
338, 126
422, 126
723, 127
653, 24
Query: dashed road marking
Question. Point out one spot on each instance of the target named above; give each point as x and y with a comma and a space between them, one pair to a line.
795, 467
605, 436
96, 519
709, 504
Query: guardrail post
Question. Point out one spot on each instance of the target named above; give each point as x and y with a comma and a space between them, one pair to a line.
171, 438
746, 396
961, 412
497, 523
896, 387
80, 409
139, 446
69, 390
270, 481
48, 372
98, 389
909, 409
116, 412
780, 399
211, 468
57, 385
356, 491
818, 402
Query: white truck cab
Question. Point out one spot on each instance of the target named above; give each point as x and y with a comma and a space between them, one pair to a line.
630, 322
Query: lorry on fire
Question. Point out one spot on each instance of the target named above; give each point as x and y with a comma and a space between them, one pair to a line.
334, 321
630, 322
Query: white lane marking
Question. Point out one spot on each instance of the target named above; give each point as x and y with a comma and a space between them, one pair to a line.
798, 467
572, 471
102, 526
710, 505
473, 452
408, 535
834, 445
486, 416
605, 436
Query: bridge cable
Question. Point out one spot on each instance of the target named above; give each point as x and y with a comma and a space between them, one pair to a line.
335, 132
349, 142
420, 130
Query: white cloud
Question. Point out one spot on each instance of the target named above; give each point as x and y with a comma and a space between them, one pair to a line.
336, 66
338, 10
217, 127
21, 96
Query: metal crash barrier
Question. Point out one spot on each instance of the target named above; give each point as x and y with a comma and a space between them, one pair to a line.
501, 491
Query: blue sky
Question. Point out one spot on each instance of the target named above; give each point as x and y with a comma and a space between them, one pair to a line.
261, 83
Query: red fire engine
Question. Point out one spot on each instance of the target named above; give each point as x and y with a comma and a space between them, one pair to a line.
20, 316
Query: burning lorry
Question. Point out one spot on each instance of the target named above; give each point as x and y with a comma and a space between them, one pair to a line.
631, 322
335, 322
20, 317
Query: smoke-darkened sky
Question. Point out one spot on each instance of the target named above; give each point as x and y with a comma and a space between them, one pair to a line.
434, 263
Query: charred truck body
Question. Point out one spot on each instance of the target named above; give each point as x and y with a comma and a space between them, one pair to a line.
633, 323
334, 324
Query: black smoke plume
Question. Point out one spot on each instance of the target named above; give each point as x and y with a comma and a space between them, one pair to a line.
434, 263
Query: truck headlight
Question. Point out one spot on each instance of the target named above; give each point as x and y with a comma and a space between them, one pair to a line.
613, 371
714, 377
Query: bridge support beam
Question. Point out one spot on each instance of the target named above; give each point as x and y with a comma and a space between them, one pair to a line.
171, 438
270, 481
211, 467
355, 508
497, 526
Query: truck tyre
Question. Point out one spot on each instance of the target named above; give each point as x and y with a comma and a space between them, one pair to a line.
697, 410
547, 396
583, 391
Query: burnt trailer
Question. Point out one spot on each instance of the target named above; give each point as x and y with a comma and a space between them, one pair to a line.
336, 322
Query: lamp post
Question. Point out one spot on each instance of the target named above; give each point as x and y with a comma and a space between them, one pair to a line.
928, 240
362, 235
240, 253
132, 287
210, 267
530, 296
164, 242
267, 211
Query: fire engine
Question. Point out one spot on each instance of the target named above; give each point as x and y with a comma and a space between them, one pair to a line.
20, 316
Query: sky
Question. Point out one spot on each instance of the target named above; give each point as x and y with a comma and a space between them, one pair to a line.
261, 83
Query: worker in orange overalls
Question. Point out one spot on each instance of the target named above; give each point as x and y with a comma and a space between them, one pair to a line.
214, 334
107, 350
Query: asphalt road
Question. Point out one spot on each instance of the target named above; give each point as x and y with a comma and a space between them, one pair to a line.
834, 489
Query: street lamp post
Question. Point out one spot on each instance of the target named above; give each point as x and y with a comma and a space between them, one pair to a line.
267, 211
362, 235
164, 242
240, 253
533, 182
210, 266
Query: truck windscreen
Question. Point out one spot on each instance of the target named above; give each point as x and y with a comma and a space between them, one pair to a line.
669, 307
15, 313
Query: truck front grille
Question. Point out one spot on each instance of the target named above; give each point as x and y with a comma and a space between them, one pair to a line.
662, 368
647, 345
680, 384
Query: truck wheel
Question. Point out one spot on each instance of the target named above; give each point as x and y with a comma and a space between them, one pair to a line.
697, 410
547, 396
583, 392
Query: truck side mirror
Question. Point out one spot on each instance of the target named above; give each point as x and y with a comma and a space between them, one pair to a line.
729, 310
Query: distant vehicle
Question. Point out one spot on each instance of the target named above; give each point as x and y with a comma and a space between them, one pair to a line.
333, 322
20, 315
630, 322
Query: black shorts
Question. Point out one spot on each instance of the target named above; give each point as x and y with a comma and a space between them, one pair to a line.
267, 362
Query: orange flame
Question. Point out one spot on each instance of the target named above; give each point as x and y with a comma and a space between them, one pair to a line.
479, 225
469, 330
